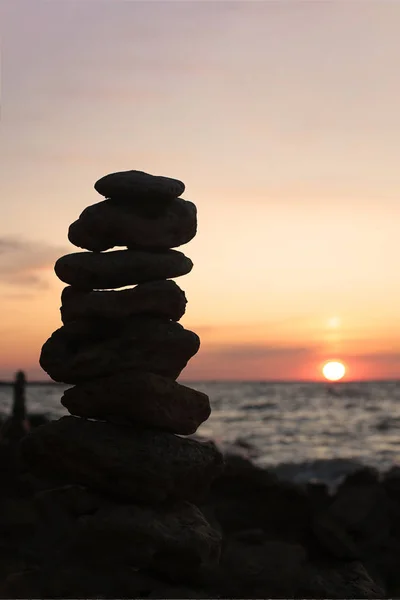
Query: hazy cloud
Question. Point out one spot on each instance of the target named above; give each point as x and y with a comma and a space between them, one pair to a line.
273, 326
260, 351
22, 262
381, 358
250, 361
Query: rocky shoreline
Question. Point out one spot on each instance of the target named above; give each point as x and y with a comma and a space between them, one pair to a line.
279, 539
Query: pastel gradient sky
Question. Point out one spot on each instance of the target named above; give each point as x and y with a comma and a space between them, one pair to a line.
281, 117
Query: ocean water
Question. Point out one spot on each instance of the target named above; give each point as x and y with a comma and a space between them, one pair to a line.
305, 431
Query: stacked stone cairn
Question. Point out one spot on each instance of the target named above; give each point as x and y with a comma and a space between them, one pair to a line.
123, 350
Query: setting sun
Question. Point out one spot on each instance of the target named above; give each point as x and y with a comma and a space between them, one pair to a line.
333, 370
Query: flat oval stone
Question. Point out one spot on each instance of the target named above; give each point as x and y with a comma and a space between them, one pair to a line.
90, 270
143, 465
128, 184
108, 224
87, 349
143, 398
161, 298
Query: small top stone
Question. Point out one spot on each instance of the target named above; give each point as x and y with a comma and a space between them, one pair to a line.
130, 184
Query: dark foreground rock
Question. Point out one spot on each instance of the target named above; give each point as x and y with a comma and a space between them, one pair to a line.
84, 350
171, 540
110, 223
348, 580
269, 547
144, 398
75, 500
77, 581
246, 497
161, 298
349, 538
276, 569
141, 465
92, 270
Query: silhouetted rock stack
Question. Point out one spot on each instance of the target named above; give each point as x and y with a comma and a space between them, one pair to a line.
17, 425
123, 351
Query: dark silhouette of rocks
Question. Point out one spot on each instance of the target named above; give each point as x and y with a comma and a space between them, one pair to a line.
17, 425
69, 541
94, 270
125, 485
13, 429
270, 547
111, 223
170, 540
158, 298
129, 462
158, 401
138, 187
86, 349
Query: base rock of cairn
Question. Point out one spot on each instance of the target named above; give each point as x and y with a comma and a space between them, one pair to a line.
123, 350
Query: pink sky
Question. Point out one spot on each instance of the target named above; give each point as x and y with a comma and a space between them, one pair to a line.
282, 119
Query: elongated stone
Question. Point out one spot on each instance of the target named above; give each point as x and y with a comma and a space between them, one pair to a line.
131, 184
87, 349
161, 298
145, 398
132, 463
111, 223
89, 270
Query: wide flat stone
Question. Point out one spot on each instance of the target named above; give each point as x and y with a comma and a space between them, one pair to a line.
84, 350
140, 465
89, 270
131, 184
161, 298
111, 223
173, 539
143, 398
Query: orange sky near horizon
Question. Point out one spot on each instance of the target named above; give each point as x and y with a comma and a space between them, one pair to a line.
282, 120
